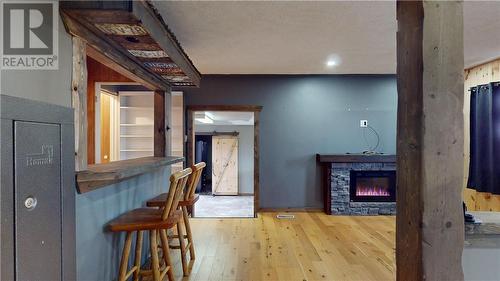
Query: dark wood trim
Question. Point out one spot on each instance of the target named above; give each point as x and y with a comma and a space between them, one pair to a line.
190, 138
355, 158
253, 108
191, 109
326, 180
256, 163
160, 145
410, 16
110, 49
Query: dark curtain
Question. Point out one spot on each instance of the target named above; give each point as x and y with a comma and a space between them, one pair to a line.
484, 167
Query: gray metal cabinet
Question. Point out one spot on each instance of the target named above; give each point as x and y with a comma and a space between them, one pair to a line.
37, 197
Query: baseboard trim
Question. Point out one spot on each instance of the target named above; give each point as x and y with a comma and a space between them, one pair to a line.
288, 210
245, 194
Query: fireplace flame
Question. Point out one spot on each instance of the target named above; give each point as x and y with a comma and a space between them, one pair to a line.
372, 191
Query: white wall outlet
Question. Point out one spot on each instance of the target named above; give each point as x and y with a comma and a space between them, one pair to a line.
363, 123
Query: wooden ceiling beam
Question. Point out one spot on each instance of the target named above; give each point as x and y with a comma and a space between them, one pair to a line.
133, 30
113, 52
158, 30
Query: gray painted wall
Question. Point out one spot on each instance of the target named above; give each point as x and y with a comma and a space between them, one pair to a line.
96, 249
51, 86
245, 152
302, 116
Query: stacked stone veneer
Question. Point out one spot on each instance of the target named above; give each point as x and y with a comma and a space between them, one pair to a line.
340, 184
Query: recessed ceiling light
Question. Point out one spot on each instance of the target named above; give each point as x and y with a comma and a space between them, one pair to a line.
333, 60
331, 63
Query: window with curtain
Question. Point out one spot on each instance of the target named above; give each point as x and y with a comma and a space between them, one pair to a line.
484, 167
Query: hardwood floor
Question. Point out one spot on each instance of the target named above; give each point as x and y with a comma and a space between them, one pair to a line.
313, 246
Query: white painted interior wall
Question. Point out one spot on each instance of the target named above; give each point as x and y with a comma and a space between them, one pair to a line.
245, 152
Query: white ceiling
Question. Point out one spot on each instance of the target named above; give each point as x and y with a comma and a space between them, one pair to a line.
275, 37
225, 118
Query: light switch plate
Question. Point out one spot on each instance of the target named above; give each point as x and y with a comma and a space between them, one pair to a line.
363, 123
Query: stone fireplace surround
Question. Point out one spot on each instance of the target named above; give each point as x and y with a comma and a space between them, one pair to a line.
340, 184
335, 170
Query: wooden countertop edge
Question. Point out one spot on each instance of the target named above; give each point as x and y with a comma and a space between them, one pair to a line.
102, 175
355, 158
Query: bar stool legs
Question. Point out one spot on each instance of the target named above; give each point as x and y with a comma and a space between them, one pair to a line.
166, 254
138, 254
188, 232
156, 270
183, 249
125, 254
155, 263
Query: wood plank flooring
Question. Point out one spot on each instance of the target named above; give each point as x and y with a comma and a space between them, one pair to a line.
313, 246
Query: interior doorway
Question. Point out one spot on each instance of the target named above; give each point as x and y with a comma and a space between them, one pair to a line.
124, 116
227, 139
224, 140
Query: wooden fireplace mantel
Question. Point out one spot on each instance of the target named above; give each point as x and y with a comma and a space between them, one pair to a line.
355, 158
325, 160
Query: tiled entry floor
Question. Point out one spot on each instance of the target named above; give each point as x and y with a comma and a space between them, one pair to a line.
209, 206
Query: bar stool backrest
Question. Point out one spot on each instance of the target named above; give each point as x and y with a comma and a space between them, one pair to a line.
178, 182
194, 179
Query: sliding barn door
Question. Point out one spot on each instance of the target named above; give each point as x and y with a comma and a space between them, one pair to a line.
225, 165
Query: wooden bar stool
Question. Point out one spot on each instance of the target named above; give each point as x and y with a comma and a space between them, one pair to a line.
156, 221
189, 199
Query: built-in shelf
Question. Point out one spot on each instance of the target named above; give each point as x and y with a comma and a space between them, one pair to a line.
136, 128
100, 175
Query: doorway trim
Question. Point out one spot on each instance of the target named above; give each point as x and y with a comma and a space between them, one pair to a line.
256, 109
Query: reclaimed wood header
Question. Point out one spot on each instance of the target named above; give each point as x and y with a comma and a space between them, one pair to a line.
100, 175
355, 158
136, 31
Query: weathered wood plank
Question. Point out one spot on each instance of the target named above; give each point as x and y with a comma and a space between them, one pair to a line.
256, 160
429, 140
79, 102
355, 158
409, 137
100, 175
111, 50
159, 124
443, 140
151, 19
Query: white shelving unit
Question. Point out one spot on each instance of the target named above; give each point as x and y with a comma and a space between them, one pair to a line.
136, 124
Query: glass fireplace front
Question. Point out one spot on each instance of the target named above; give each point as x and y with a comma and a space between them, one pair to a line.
373, 186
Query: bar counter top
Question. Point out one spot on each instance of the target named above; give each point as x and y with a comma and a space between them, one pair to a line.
101, 175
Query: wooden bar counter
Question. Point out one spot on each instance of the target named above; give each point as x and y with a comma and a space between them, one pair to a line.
100, 175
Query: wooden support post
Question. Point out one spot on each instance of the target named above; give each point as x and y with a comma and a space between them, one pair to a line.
190, 138
256, 159
79, 101
159, 124
430, 230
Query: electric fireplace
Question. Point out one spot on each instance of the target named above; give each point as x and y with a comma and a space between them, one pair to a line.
372, 186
